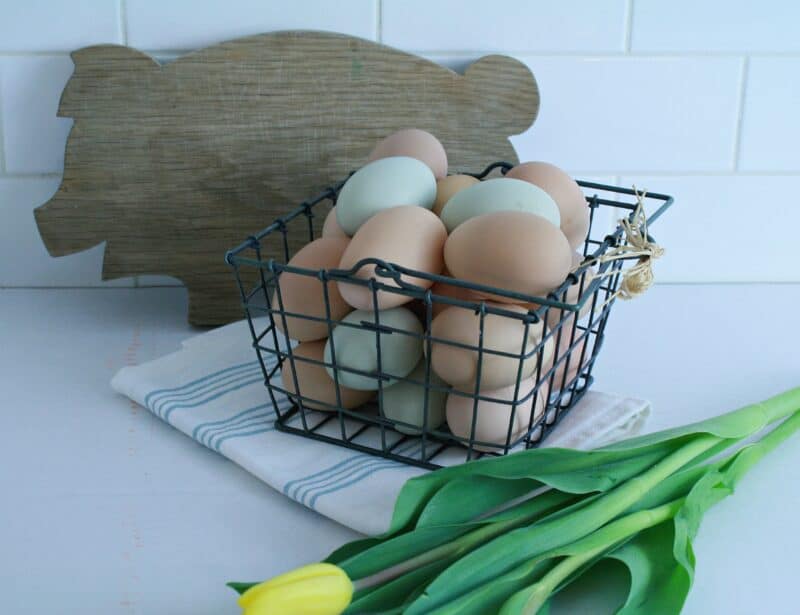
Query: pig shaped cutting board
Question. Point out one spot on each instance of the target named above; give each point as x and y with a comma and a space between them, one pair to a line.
173, 165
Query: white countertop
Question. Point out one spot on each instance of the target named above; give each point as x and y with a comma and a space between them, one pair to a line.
105, 509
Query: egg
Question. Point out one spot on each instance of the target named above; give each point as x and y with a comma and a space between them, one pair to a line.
499, 194
446, 187
408, 236
492, 418
405, 402
459, 366
313, 381
413, 143
573, 295
454, 292
511, 250
305, 294
354, 341
331, 228
382, 184
574, 366
565, 192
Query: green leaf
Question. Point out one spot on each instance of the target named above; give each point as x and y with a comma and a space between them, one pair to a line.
462, 493
240, 588
396, 593
658, 583
734, 425
520, 545
466, 498
435, 541
661, 560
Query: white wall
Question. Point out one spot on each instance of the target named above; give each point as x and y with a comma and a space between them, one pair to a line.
697, 98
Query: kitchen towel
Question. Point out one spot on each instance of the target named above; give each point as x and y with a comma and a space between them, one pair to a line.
212, 389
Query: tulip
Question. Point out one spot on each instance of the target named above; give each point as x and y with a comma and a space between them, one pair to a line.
317, 589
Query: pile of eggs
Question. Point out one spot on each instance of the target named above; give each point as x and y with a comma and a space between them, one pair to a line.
519, 232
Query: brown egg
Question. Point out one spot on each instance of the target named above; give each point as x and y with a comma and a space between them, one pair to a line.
413, 143
574, 359
446, 187
565, 192
304, 294
511, 250
314, 382
458, 366
452, 291
408, 236
493, 418
573, 295
331, 228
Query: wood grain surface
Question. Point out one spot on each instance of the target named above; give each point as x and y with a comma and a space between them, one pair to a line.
172, 165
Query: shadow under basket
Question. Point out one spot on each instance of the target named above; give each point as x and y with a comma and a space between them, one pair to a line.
553, 371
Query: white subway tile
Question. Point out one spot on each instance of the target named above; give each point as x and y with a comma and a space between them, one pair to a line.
617, 115
715, 25
24, 261
44, 25
726, 228
770, 139
30, 88
186, 24
569, 25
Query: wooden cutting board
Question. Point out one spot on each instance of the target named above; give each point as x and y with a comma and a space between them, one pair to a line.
173, 165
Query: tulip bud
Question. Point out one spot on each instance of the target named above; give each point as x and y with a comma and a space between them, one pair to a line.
317, 589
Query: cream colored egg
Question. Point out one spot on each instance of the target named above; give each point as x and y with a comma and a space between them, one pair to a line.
354, 344
413, 143
448, 186
405, 401
304, 295
456, 327
409, 236
565, 192
382, 184
493, 418
499, 194
315, 386
510, 250
331, 228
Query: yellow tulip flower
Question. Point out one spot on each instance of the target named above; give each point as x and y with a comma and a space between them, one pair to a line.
317, 589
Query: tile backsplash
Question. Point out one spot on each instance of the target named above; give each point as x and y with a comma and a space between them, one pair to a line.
695, 98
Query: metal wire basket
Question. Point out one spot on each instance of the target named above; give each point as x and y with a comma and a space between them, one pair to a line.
572, 336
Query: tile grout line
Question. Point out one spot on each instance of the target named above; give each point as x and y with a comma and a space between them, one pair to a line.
379, 20
123, 22
52, 175
608, 54
628, 33
737, 141
2, 132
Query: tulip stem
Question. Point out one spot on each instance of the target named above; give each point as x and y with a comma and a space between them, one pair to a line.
552, 500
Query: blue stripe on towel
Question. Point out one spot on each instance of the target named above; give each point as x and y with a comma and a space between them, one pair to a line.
294, 482
200, 381
166, 412
338, 472
260, 419
266, 428
213, 425
387, 464
159, 405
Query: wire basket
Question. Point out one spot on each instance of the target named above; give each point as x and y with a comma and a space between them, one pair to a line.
571, 321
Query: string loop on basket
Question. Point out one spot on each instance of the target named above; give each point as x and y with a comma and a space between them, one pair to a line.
639, 277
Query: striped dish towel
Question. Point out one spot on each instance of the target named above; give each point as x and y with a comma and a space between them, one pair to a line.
212, 390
